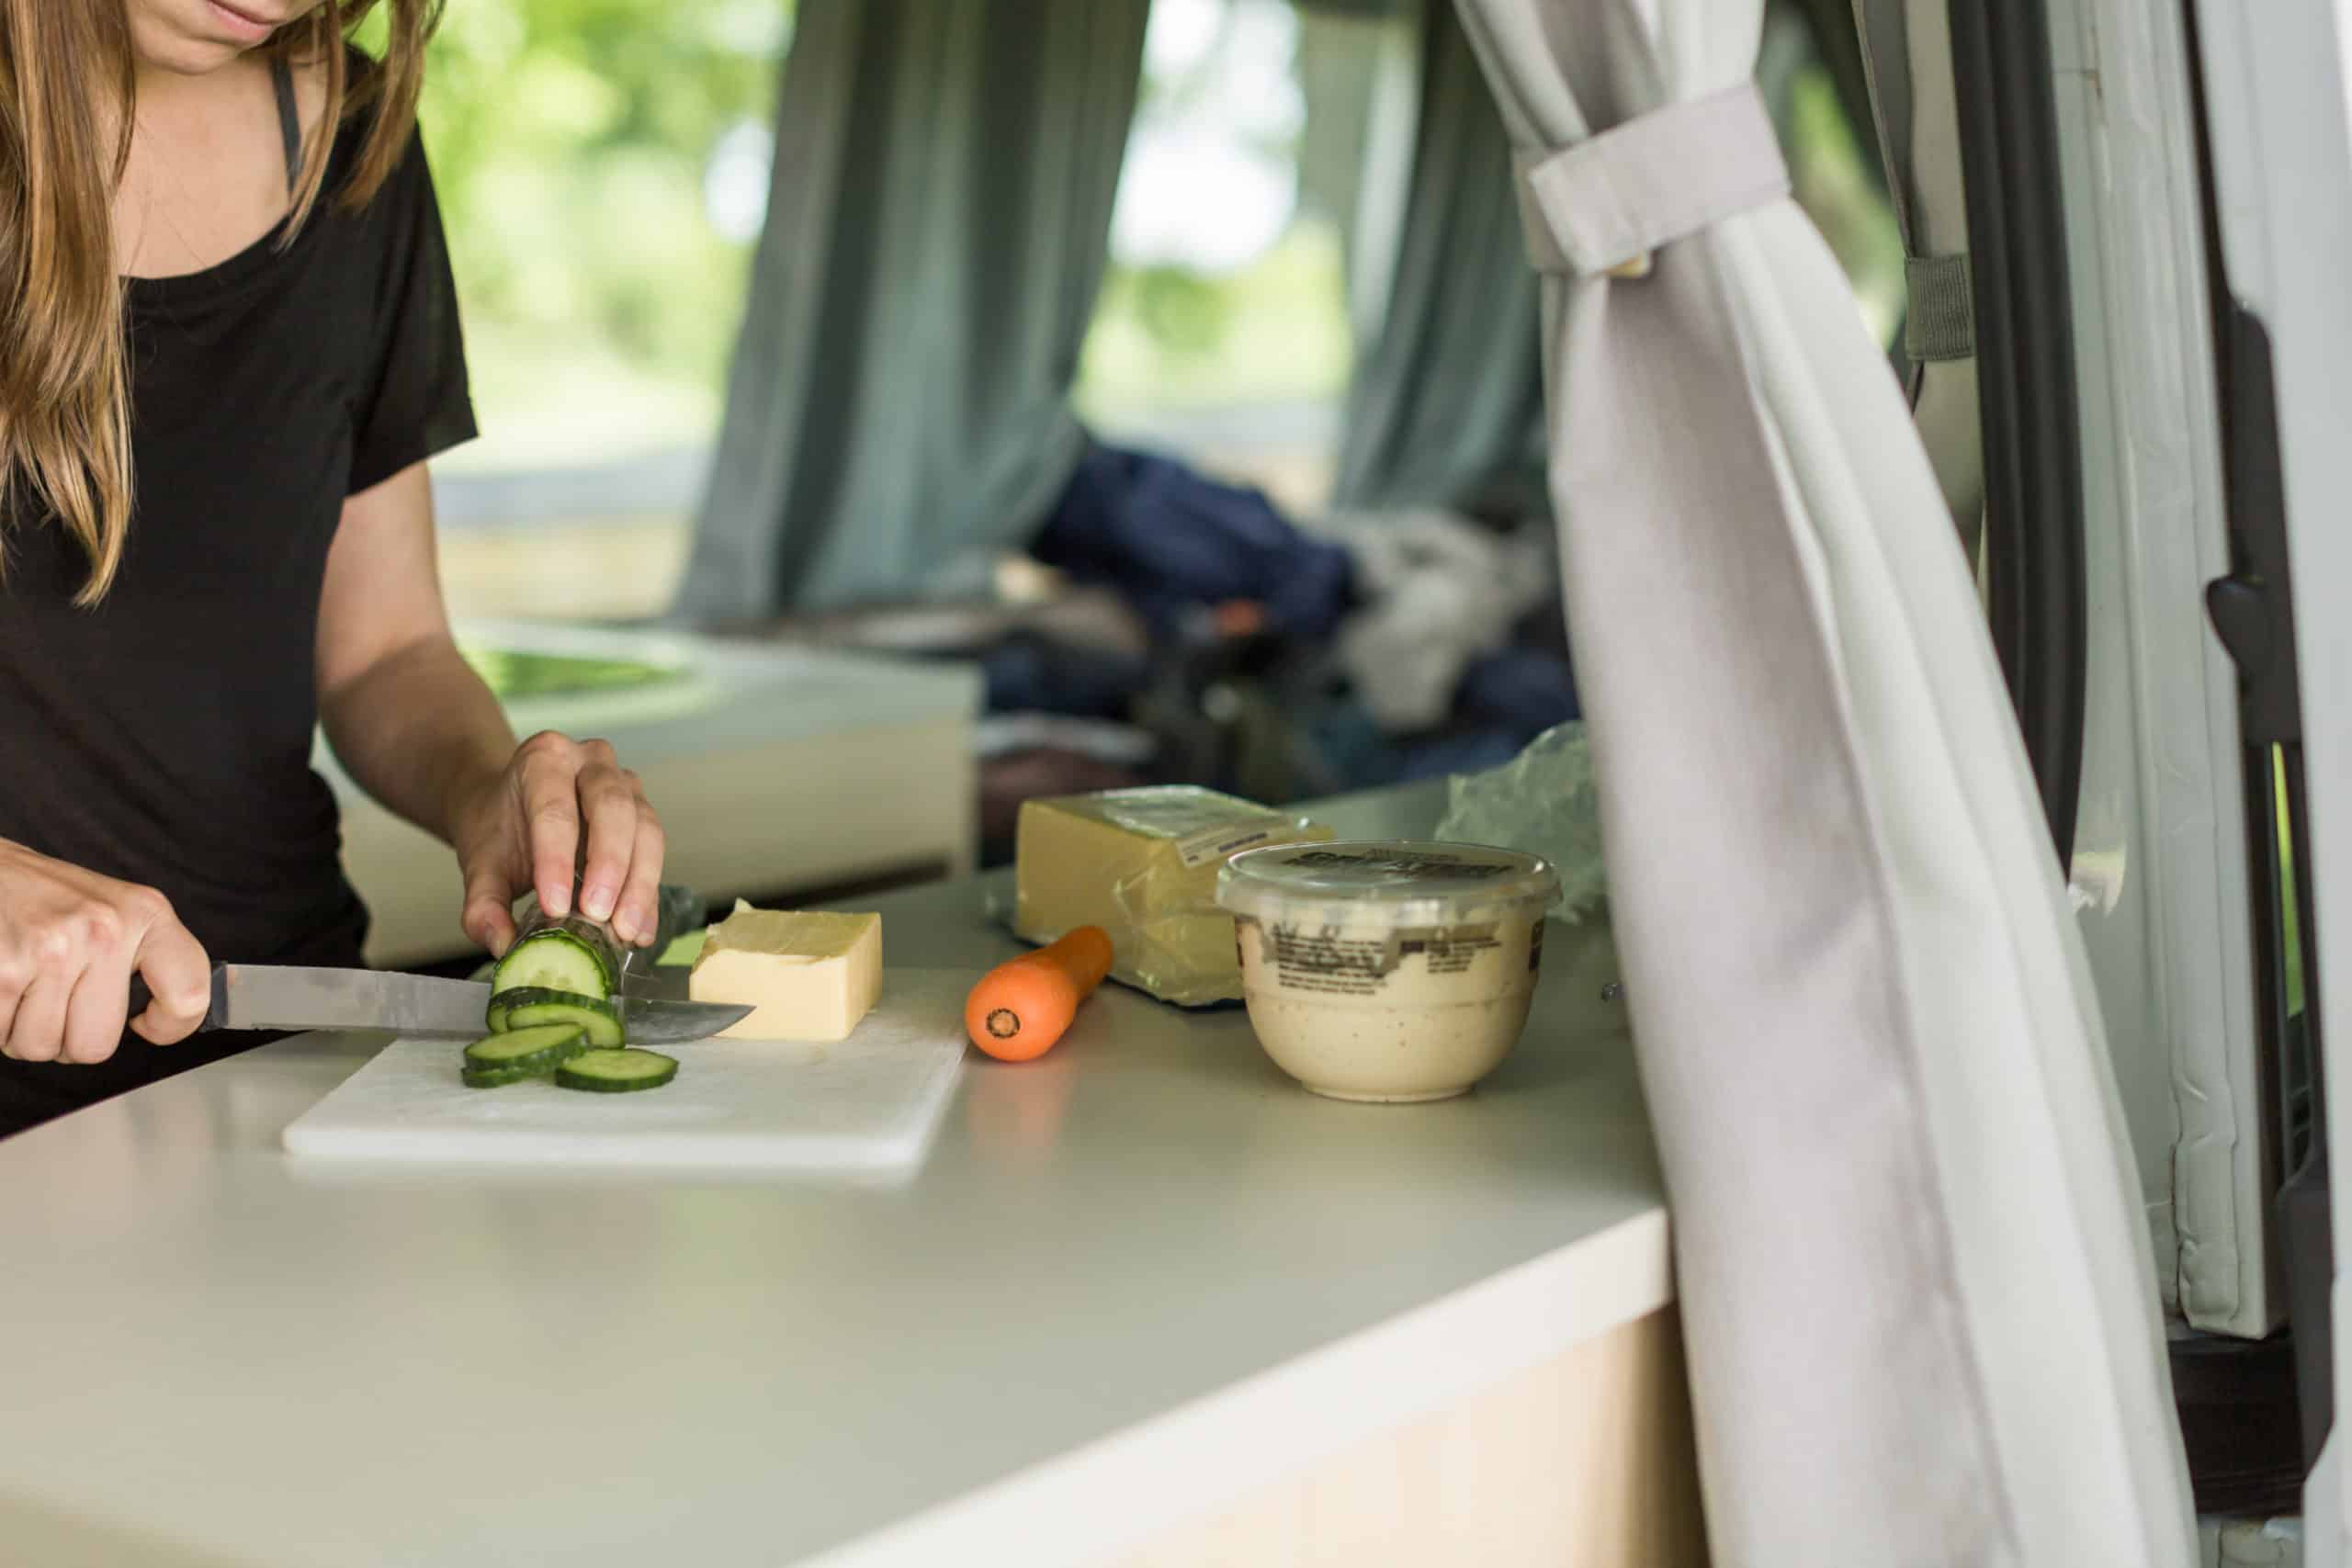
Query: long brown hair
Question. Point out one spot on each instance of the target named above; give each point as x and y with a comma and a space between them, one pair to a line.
64, 377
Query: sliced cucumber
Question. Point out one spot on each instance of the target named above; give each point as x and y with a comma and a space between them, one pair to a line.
556, 959
522, 1053
616, 1072
499, 1078
534, 1006
503, 1003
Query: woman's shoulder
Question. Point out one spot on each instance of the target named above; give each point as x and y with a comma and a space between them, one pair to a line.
362, 107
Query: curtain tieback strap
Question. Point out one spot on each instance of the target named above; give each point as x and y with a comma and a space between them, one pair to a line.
1603, 204
1942, 322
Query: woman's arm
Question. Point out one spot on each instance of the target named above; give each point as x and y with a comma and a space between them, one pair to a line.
417, 728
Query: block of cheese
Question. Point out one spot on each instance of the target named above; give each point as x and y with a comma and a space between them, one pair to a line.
1142, 864
806, 977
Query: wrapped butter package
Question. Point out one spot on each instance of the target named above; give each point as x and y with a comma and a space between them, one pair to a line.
1142, 863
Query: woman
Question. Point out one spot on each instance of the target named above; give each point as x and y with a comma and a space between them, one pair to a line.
227, 344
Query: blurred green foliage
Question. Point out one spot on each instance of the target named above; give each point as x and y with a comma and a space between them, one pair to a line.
1168, 338
1274, 332
569, 140
1834, 185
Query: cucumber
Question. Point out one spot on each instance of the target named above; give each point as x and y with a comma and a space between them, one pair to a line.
616, 1072
522, 1053
499, 1078
556, 959
533, 1007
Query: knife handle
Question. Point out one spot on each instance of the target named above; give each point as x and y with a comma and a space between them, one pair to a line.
214, 1012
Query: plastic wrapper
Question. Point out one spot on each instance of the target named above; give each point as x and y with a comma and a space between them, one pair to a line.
1142, 864
1543, 802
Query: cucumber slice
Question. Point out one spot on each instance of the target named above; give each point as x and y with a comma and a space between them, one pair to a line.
503, 1003
616, 1072
522, 1053
533, 1007
555, 960
499, 1078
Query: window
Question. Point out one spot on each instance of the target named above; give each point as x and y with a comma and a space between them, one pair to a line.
602, 166
1222, 330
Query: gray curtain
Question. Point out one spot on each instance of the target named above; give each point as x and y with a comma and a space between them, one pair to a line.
1912, 1270
1447, 404
898, 409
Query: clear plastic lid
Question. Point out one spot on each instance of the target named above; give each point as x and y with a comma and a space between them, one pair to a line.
1385, 882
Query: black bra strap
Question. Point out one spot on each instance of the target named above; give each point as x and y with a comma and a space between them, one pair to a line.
290, 120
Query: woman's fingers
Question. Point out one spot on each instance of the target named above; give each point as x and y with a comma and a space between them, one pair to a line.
582, 813
178, 973
608, 801
69, 941
487, 919
37, 1032
548, 773
640, 912
95, 1010
12, 988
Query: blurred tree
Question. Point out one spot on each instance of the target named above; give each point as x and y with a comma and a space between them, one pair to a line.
572, 144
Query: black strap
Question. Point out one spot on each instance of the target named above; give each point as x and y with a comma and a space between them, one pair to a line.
290, 120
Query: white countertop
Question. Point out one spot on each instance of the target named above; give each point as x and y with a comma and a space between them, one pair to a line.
1136, 1278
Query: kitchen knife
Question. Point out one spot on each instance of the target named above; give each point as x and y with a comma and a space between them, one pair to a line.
261, 996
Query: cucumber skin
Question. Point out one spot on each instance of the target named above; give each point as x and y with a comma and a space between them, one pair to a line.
480, 1058
599, 1021
476, 1078
602, 1019
569, 1073
538, 1064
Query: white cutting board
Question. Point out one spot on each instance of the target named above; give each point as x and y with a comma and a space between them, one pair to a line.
868, 1104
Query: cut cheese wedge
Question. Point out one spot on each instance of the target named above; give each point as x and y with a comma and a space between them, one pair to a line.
805, 976
1142, 864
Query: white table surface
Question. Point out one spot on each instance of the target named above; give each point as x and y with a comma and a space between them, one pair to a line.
1135, 1279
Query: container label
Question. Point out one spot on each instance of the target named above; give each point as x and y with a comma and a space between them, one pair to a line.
1213, 846
1324, 959
1387, 867
1451, 949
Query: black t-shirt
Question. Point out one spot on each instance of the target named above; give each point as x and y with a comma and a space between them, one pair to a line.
165, 735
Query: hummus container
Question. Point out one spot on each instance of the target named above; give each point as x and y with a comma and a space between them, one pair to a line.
1388, 971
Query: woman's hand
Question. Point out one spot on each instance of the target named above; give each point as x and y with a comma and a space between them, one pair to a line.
520, 830
418, 729
70, 940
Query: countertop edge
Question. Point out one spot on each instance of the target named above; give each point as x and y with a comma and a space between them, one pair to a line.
1116, 1493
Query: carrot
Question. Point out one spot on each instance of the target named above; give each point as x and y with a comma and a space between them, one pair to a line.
1021, 1007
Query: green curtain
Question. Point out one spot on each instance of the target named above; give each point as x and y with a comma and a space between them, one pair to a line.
1447, 404
898, 411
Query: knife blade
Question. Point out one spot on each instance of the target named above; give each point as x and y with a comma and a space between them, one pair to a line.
279, 996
